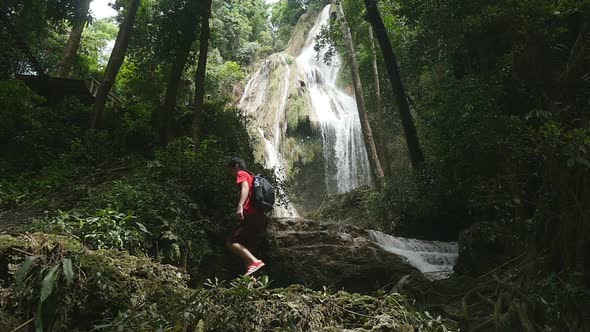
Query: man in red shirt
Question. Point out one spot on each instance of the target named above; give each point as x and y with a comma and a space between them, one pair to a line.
251, 221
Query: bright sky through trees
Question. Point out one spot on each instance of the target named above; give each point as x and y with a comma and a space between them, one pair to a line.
101, 8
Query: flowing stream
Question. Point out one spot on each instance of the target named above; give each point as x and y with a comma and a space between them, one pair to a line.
433, 258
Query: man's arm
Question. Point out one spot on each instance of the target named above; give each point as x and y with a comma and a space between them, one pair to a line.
244, 190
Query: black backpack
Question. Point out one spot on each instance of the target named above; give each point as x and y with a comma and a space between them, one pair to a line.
263, 193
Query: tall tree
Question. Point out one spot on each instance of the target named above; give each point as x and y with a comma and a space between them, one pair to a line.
201, 71
73, 44
169, 106
115, 61
184, 42
374, 18
381, 129
358, 92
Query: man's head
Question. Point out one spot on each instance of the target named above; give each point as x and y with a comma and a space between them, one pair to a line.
235, 164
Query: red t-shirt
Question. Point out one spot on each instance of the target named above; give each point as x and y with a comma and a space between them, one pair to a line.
249, 209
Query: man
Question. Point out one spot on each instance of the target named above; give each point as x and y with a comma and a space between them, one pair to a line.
251, 221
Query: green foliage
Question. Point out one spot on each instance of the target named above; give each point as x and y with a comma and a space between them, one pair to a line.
43, 278
164, 210
498, 112
561, 297
351, 207
40, 25
239, 30
67, 287
32, 134
105, 229
223, 77
91, 58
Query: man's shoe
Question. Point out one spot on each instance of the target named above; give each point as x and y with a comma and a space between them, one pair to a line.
254, 267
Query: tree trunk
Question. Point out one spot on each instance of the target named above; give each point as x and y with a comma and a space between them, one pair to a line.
381, 129
115, 61
167, 111
73, 44
360, 100
374, 18
201, 71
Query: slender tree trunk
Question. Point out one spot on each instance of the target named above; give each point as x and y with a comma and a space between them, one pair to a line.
73, 44
360, 100
201, 71
167, 111
381, 131
374, 18
115, 61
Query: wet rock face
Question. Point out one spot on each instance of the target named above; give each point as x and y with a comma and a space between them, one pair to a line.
318, 254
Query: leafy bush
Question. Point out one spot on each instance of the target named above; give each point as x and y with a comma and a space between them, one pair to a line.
33, 134
92, 147
105, 229
164, 209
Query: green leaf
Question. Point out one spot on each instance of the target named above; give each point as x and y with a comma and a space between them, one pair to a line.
583, 161
20, 275
39, 318
68, 270
292, 326
142, 227
49, 283
168, 235
201, 326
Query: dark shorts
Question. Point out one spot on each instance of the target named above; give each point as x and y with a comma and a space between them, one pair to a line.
247, 231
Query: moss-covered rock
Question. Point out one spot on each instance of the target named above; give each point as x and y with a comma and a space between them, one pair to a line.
107, 283
353, 207
318, 254
7, 246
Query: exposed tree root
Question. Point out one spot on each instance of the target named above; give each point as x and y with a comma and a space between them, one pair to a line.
505, 309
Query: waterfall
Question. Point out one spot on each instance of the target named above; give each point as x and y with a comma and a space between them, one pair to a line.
333, 112
255, 101
433, 258
346, 161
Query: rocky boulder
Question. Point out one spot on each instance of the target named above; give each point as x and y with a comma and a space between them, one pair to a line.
317, 254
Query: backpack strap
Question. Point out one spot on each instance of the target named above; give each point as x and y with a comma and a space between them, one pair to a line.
251, 174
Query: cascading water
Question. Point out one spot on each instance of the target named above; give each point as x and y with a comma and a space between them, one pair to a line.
254, 100
434, 259
346, 162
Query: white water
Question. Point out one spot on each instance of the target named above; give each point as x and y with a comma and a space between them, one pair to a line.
253, 101
433, 258
346, 162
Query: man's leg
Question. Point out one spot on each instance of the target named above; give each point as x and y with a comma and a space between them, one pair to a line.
243, 252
